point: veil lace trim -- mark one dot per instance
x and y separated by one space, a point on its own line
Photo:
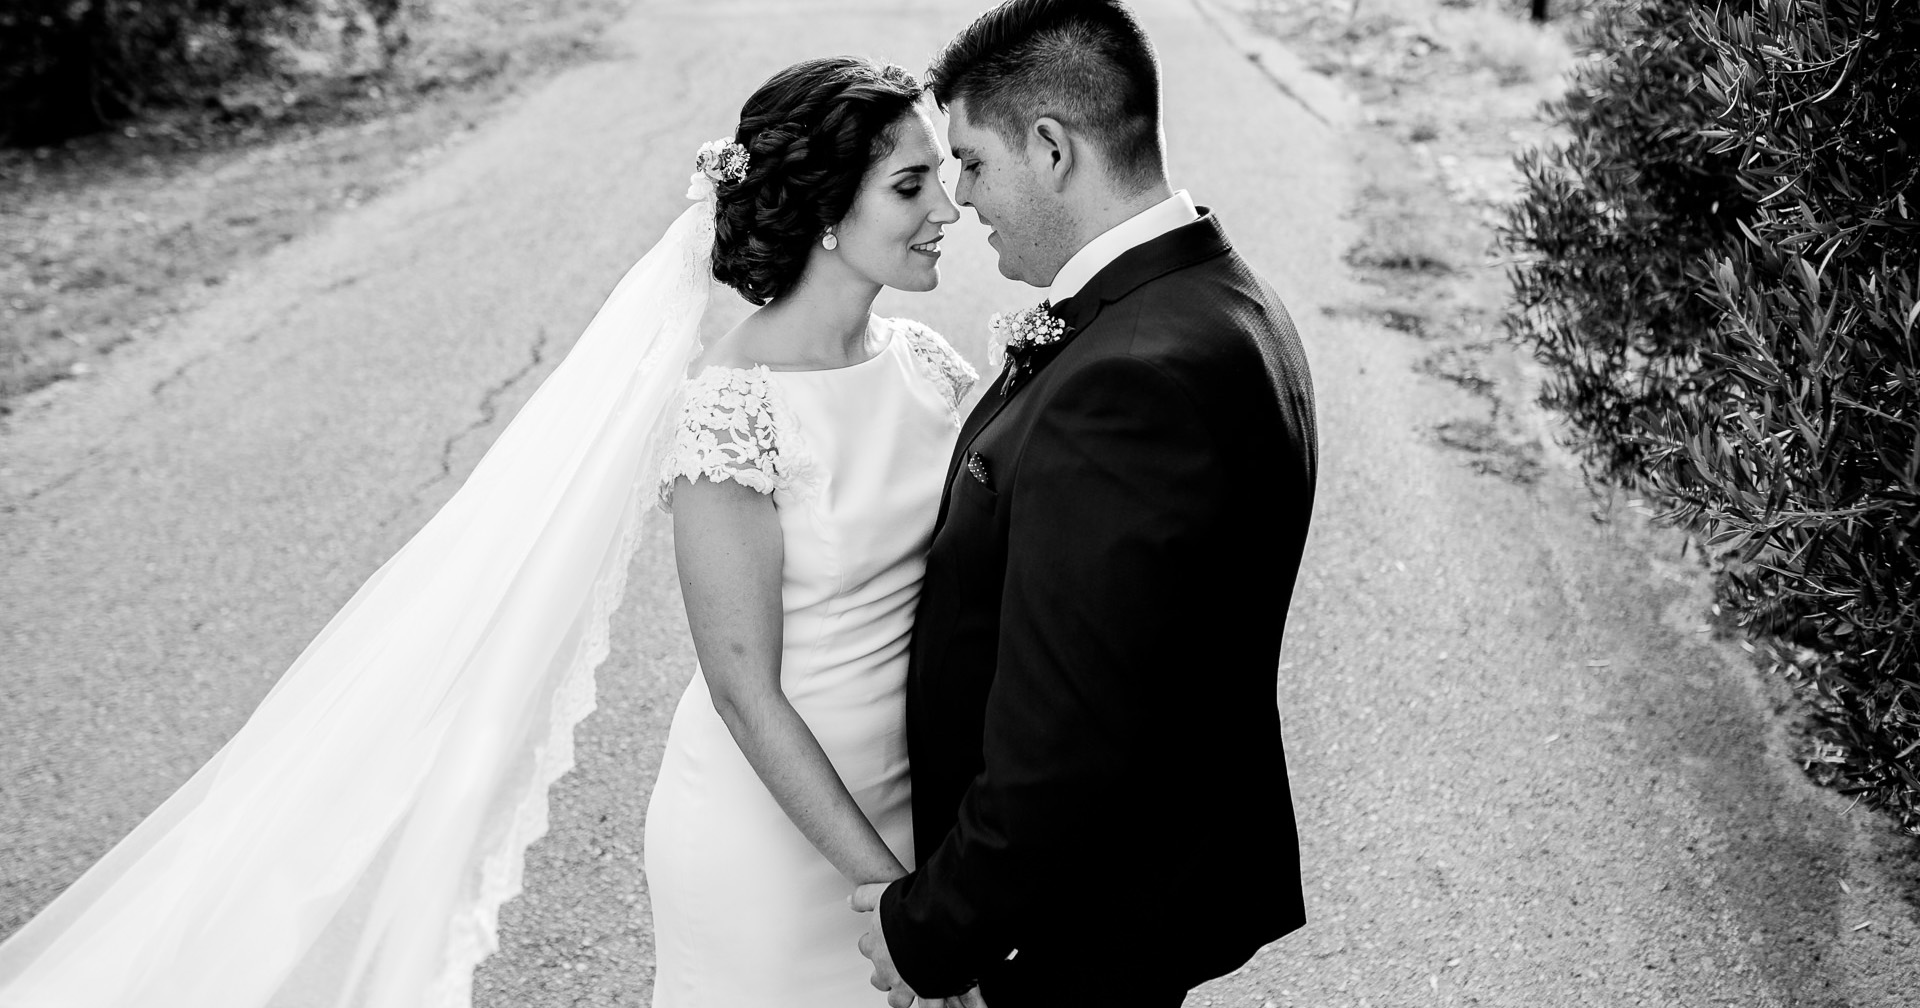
475 935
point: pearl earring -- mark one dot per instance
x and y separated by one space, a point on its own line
829 242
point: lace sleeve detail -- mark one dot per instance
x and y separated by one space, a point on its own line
733 426
939 363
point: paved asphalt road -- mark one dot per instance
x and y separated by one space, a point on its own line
1489 816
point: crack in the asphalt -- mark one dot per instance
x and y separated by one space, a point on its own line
1213 21
92 455
177 374
51 485
488 404
489 410
251 336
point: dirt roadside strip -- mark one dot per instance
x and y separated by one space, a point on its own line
104 239
1489 815
1644 836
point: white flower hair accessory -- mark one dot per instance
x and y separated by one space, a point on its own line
717 161
722 160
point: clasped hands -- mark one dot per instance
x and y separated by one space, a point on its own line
873 945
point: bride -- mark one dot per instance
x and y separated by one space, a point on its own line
352 844
806 471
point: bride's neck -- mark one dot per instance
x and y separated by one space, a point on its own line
816 324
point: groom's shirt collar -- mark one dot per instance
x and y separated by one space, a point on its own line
1174 211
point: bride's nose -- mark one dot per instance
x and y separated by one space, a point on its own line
944 212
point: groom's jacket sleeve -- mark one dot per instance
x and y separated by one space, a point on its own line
1115 497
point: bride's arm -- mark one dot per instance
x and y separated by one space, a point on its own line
729 549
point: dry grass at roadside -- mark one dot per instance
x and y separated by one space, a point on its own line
1449 90
104 238
1516 52
1384 45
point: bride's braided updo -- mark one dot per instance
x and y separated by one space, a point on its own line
810 131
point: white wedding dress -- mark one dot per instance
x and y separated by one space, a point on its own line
747 914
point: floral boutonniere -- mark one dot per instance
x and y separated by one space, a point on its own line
1018 337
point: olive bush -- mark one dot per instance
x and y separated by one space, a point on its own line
1720 268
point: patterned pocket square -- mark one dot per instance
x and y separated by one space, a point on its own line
977 468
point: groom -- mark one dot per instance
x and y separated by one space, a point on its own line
1101 812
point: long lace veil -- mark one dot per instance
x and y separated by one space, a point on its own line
352 844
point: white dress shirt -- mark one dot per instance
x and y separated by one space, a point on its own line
1156 220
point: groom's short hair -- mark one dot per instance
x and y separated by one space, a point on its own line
1087 63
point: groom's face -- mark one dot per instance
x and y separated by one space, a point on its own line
1009 194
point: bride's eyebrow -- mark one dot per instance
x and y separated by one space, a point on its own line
916 169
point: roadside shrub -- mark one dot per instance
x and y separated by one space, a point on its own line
69 67
1721 269
1619 228
1804 458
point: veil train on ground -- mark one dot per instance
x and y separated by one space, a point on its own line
351 845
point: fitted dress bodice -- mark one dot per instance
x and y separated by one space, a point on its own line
746 911
856 529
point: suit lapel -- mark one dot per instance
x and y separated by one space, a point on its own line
1184 246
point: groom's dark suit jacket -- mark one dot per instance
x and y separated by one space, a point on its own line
1098 781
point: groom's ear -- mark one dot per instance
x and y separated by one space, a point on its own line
1053 150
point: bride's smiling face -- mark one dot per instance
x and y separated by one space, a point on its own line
891 235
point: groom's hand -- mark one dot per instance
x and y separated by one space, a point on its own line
873 945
